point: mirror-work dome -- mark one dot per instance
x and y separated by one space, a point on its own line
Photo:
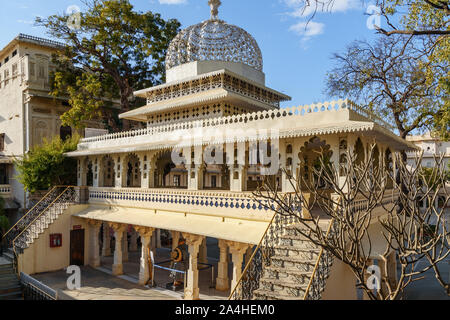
214 40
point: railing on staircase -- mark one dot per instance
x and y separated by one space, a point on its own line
47 214
253 272
23 222
321 272
36 290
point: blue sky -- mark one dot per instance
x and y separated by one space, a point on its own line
296 57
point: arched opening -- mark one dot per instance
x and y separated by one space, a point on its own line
109 172
65 132
133 171
359 152
217 174
169 175
90 174
261 173
312 154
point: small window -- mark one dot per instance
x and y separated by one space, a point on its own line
32 69
289 149
6 60
41 72
14 53
2 142
14 69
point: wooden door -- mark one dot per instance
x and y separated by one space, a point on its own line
77 247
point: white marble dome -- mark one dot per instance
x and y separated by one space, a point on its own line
214 40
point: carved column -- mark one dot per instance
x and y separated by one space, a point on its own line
196 170
238 171
106 248
145 170
117 268
222 281
144 266
120 171
99 174
192 291
95 243
82 172
237 250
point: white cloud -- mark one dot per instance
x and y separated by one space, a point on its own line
308 29
172 1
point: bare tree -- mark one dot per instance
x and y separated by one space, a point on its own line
372 190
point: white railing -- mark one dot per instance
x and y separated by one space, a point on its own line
210 202
5 190
245 118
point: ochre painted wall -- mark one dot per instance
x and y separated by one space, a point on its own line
39 257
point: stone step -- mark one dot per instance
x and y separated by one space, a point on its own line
14 295
7 276
296 241
9 286
8 256
282 287
291 251
288 274
293 262
261 294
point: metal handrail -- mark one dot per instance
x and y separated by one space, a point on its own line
253 254
316 267
43 211
29 211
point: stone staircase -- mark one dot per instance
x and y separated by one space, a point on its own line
10 287
45 218
291 268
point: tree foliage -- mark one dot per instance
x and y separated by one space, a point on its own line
391 77
45 165
116 51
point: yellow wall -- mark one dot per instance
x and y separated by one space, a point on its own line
39 257
341 285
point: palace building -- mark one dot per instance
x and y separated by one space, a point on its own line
214 132
28 113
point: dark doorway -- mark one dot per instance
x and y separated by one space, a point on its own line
65 133
77 247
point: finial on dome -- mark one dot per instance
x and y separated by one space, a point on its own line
214 4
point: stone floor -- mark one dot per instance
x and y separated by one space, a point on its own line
100 284
97 285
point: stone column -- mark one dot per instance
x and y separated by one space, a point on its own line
144 164
120 171
248 255
95 243
192 291
82 172
97 168
133 240
237 250
106 248
117 268
222 281
144 266
125 245
175 239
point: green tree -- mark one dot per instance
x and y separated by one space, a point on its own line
116 51
391 78
424 20
46 165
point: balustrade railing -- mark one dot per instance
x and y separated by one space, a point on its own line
36 290
20 225
254 270
44 213
245 118
5 190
